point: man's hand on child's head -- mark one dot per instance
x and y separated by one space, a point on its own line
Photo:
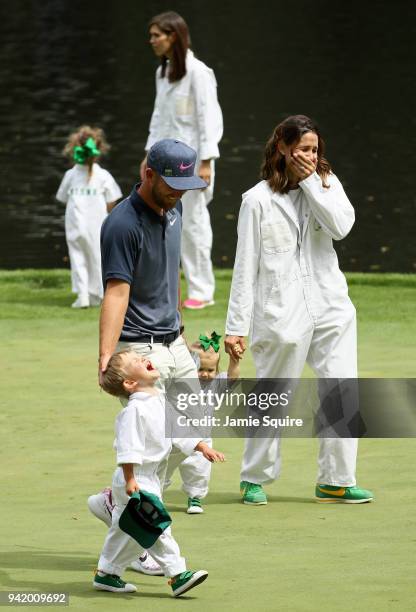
102 366
210 453
131 486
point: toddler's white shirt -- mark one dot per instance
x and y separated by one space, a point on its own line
141 432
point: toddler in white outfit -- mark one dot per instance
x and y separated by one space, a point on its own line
141 446
89 192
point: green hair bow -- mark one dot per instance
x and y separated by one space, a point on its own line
89 149
214 341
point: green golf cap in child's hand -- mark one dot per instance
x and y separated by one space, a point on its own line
144 518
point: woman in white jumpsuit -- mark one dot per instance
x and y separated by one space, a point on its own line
89 192
289 295
186 108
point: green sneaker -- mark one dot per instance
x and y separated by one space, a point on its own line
253 494
187 580
113 583
342 495
194 506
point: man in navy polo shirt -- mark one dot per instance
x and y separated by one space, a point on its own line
140 252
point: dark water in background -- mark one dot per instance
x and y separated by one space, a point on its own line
350 65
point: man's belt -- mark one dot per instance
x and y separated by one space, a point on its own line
165 339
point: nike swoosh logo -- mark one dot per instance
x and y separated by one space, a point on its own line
173 221
339 493
182 167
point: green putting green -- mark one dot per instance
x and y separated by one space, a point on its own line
293 554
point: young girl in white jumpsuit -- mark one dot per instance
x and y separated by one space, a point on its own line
205 353
186 108
141 446
290 296
89 192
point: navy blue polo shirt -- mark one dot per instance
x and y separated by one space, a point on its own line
142 248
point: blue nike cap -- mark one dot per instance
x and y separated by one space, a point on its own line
174 161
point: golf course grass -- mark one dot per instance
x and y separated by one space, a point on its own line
293 554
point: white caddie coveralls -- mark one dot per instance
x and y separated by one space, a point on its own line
290 296
188 110
141 440
86 198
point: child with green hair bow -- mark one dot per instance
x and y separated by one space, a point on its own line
90 193
206 353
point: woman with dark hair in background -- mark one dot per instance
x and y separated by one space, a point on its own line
290 296
186 108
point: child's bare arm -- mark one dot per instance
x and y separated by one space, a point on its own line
209 453
131 484
233 371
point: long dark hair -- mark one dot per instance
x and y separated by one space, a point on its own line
171 22
290 131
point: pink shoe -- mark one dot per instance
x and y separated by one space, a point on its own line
196 304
